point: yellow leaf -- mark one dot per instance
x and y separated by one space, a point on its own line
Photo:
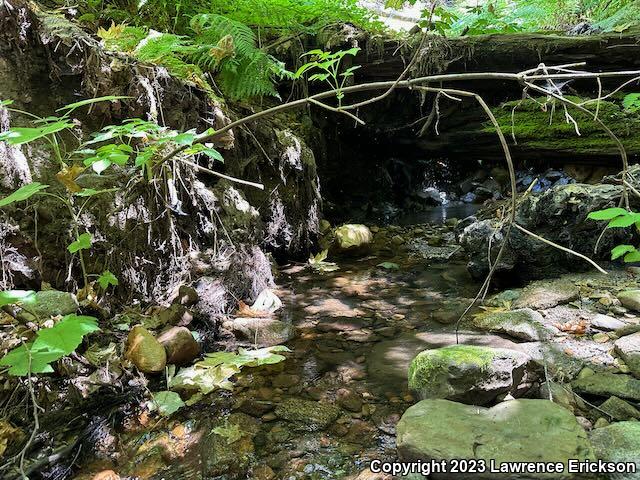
67 176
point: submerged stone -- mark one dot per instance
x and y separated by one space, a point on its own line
630 299
307 415
513 431
466 373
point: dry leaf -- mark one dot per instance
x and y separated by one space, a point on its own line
67 176
246 311
578 328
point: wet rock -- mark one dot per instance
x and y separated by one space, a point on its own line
50 303
106 475
263 472
187 296
264 332
547 294
527 430
256 408
180 346
607 385
607 323
174 315
229 449
619 442
630 299
285 380
349 399
618 409
525 324
351 237
307 415
144 351
562 395
628 348
466 373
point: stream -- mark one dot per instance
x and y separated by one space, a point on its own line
332 406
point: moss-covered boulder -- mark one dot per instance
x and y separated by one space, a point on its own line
619 442
517 430
525 324
466 373
352 237
608 384
307 415
50 303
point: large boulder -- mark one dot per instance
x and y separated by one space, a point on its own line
524 323
513 431
558 214
467 373
608 384
628 348
145 351
619 442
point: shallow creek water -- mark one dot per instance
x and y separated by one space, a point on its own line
332 406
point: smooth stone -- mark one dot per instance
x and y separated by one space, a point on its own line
187 296
349 400
628 349
605 322
352 237
144 351
542 295
517 430
630 299
264 332
180 346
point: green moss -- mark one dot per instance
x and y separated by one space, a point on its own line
430 366
534 128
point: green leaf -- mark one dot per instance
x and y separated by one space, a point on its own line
631 102
184 138
624 220
632 257
107 278
607 214
11 297
51 344
90 192
389 265
72 106
621 250
6 103
82 243
21 135
23 193
167 402
201 148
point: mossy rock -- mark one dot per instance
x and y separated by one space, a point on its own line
466 373
50 303
619 442
307 415
608 384
517 430
525 324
